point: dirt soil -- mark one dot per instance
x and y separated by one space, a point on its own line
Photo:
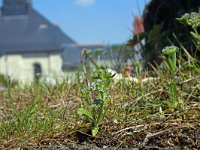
147 135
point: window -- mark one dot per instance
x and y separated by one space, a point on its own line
37 70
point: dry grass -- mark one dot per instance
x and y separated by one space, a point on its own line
136 117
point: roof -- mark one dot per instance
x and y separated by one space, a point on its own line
72 57
30 33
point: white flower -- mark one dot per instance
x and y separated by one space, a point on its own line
93 86
169 49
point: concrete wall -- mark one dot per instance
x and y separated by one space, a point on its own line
2 64
21 66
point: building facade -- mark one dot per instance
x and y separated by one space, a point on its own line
29 43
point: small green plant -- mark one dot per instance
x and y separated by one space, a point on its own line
138 68
93 110
169 57
169 60
193 20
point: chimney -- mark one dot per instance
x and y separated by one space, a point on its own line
15 7
138 25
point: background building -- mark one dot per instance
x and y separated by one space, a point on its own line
30 44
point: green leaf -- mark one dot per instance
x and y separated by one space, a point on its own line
95 130
154 32
168 103
183 20
96 102
196 36
197 70
98 52
84 112
171 104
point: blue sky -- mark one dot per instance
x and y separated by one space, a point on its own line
92 21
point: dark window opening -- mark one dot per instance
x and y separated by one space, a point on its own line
37 71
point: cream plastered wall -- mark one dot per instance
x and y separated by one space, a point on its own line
21 66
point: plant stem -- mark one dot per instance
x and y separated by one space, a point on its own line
174 61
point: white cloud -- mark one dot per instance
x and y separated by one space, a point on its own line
84 2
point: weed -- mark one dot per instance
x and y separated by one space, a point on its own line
94 111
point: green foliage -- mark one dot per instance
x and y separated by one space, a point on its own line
94 111
169 59
191 19
152 34
138 68
169 56
161 14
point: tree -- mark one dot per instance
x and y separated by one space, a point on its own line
160 16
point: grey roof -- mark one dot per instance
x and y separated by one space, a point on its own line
30 33
71 54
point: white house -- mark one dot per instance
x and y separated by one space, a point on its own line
29 43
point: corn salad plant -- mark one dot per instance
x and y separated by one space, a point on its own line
94 111
169 60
